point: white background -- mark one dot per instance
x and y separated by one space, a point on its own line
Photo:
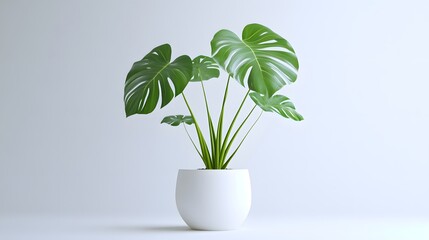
66 147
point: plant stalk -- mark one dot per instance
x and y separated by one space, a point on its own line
211 130
220 123
193 143
239 145
224 145
238 130
204 149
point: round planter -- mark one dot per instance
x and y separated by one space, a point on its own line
213 199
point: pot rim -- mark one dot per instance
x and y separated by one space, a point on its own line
214 170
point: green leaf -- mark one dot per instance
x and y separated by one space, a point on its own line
264 58
151 78
204 68
278 104
176 120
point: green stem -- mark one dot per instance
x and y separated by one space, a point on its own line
193 143
239 145
220 123
205 97
224 145
211 130
238 130
204 149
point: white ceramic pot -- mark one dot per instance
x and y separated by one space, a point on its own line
213 199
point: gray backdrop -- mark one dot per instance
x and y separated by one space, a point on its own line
67 148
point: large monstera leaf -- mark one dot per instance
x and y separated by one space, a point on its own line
150 80
278 104
264 58
176 120
204 68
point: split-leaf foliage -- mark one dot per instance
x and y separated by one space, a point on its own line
261 61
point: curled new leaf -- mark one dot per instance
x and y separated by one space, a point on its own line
151 79
278 104
204 68
261 59
176 120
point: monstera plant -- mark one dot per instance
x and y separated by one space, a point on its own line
261 61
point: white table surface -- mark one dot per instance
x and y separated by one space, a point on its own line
124 228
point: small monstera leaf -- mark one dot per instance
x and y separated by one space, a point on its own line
176 120
278 104
204 68
263 58
150 79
